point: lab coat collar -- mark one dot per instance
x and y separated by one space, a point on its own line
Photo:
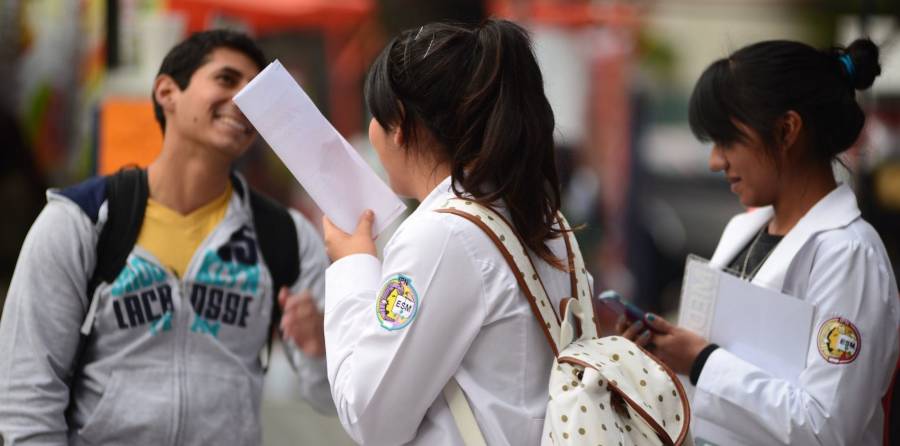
437 196
835 210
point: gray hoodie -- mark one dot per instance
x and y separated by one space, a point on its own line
170 361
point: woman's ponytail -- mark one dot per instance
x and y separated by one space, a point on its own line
479 92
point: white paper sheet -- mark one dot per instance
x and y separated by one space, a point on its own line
698 297
332 172
764 327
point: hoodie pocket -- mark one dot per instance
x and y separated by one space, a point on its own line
136 408
225 409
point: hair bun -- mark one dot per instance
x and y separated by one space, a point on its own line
864 55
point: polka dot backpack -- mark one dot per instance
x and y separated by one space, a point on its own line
602 391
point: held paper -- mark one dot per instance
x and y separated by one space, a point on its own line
698 297
764 327
332 172
761 326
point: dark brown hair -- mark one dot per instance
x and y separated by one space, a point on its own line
185 58
759 83
478 92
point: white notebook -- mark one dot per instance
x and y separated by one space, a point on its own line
764 327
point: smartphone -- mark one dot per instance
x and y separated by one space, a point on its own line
613 300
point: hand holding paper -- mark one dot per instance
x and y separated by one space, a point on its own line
331 171
339 244
764 327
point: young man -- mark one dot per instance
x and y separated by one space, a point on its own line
173 352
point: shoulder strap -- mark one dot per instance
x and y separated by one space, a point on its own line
463 415
126 197
277 238
514 251
126 200
581 289
126 194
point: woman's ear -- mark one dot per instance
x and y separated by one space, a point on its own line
791 126
397 136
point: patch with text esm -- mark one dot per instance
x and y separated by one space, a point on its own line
397 303
838 341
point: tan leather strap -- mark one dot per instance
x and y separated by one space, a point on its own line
501 232
536 294
571 264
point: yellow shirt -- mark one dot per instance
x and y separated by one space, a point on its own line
173 238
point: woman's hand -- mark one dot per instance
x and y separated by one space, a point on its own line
673 345
339 244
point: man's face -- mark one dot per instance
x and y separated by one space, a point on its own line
204 114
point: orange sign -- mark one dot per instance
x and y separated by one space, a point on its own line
129 134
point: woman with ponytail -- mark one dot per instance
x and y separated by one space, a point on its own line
458 112
778 114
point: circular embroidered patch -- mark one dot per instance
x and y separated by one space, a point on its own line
397 303
838 341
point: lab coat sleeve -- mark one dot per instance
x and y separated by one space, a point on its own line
383 381
831 402
312 373
39 331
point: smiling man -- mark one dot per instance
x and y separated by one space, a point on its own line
164 349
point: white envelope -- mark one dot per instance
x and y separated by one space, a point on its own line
332 172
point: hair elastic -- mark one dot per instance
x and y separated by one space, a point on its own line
429 47
848 64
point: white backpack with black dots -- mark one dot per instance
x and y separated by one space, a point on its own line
602 391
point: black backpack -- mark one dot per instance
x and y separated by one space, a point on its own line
126 195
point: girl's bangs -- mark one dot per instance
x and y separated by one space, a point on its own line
713 106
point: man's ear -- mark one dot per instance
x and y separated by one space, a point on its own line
790 127
164 91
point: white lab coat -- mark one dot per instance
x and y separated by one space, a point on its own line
472 323
834 260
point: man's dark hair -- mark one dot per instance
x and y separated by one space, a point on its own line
185 58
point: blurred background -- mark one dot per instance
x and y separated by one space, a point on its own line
75 102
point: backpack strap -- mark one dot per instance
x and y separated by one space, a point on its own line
581 289
524 270
126 197
277 238
276 235
463 415
501 232
126 200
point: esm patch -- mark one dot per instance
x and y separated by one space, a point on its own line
839 341
397 303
